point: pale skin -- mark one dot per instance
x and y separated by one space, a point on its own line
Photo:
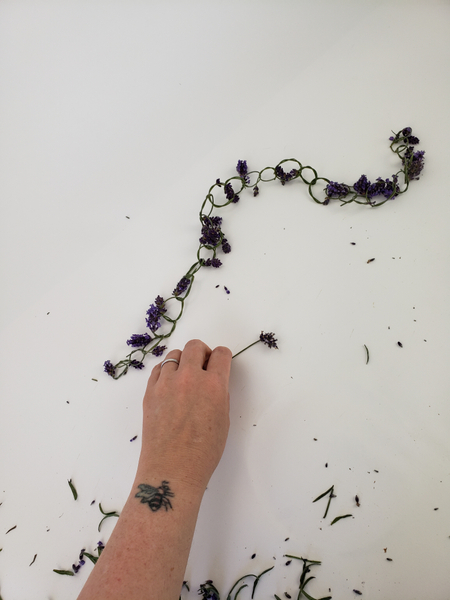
185 427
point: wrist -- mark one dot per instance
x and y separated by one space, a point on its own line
172 484
190 467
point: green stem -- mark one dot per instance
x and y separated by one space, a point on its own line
241 351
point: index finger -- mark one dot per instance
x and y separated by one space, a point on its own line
220 362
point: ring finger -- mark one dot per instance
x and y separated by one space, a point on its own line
171 362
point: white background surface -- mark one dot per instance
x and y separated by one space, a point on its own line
111 110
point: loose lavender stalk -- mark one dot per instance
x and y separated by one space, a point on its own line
266 338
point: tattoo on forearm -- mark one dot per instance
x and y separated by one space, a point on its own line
155 497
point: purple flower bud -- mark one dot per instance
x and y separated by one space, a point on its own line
109 368
230 194
182 286
268 339
212 262
283 176
159 350
242 169
336 190
413 162
412 139
139 340
362 185
137 364
211 232
154 314
226 248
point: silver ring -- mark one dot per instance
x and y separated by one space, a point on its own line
169 360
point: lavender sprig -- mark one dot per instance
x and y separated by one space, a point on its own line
266 338
162 322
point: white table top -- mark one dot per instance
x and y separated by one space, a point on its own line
115 119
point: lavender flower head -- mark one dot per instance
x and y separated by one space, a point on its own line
283 176
155 313
159 350
405 137
414 162
268 339
211 231
242 170
230 193
226 248
381 187
109 368
336 190
362 185
137 364
182 286
139 340
212 262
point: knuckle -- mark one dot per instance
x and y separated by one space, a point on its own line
194 343
223 350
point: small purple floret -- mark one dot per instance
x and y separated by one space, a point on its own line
414 162
283 176
242 170
159 350
109 368
362 185
226 248
138 340
137 364
182 286
336 190
229 193
212 262
155 313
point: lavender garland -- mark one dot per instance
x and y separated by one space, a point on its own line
213 240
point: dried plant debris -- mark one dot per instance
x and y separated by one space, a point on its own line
73 489
336 519
330 494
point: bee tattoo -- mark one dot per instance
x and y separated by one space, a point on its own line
155 497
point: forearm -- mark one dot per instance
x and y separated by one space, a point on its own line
147 553
185 426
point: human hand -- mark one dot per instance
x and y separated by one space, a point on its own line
186 416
